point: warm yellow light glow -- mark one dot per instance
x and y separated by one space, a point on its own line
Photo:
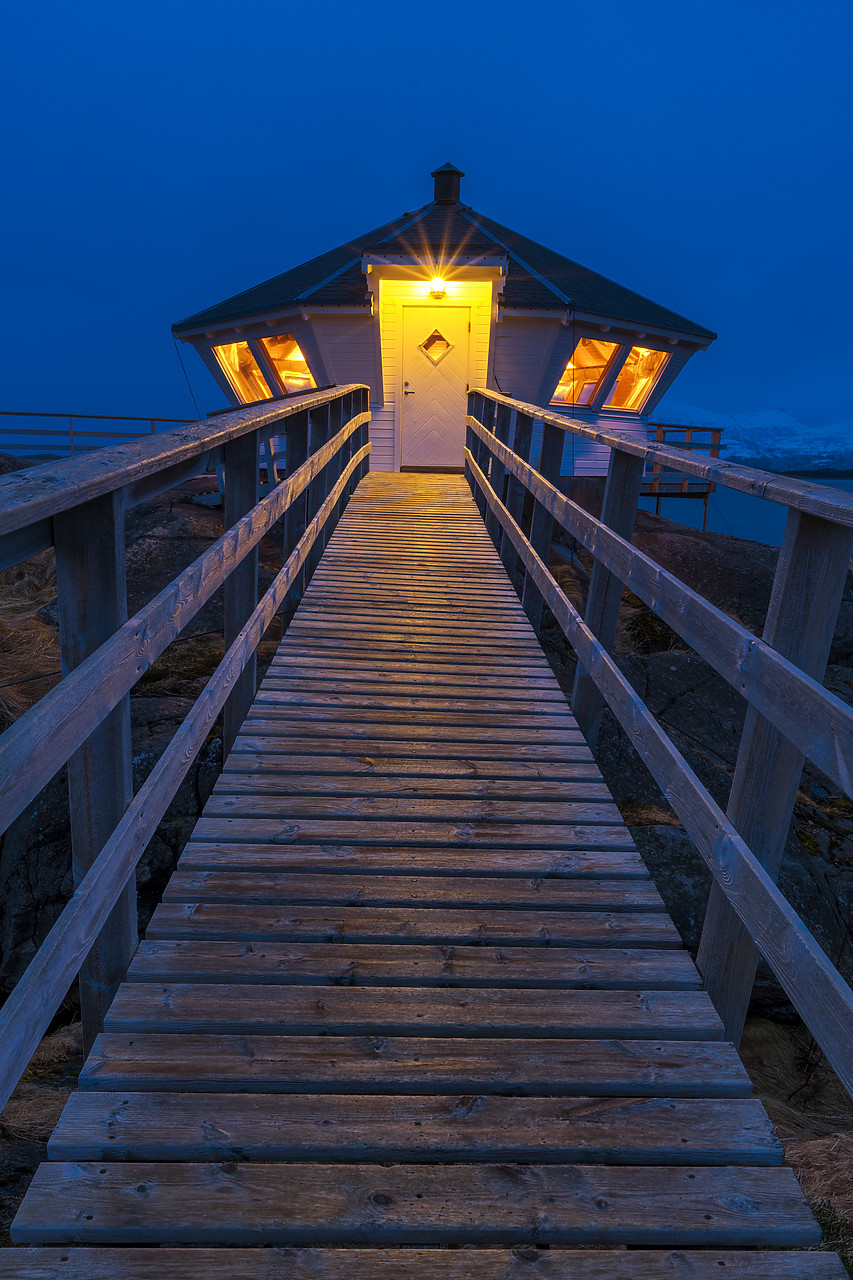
241 370
636 378
437 287
584 371
288 362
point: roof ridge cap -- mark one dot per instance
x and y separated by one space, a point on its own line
558 293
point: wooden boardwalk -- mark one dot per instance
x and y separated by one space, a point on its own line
411 986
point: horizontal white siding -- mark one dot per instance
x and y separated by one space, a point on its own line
348 346
585 457
522 349
382 438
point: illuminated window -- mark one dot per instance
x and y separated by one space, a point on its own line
288 362
436 347
242 371
584 371
638 375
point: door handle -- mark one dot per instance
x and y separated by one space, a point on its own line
408 393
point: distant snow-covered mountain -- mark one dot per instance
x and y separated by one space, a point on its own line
769 438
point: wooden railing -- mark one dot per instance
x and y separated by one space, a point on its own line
661 481
790 715
77 506
70 438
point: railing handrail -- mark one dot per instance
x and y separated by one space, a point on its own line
39 493
81 720
786 699
91 417
800 495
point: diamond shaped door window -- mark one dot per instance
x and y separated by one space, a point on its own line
436 347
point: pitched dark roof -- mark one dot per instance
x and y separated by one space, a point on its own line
537 278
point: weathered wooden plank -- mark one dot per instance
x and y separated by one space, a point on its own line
437 768
216 855
425 891
256 923
378 742
378 701
222 1009
270 1127
261 780
497 1204
522 835
414 808
126 1263
428 726
385 1064
361 964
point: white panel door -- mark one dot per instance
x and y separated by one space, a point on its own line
435 385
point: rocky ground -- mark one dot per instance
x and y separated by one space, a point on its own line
699 711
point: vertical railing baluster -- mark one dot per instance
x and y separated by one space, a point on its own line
319 433
807 590
521 444
542 522
92 605
240 592
296 452
618 512
502 423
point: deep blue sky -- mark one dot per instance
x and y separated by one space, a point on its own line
164 155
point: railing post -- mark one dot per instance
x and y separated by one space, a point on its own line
522 440
807 589
296 434
503 421
240 591
361 404
334 466
483 411
319 433
618 512
542 522
92 605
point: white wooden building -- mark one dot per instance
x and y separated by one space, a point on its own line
434 302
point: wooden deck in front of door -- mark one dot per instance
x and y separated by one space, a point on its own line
411 986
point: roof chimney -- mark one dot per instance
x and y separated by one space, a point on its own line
447 183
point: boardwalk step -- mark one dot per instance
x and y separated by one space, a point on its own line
256 922
433 891
231 1203
365 964
388 1064
525 1262
419 773
179 1126
417 808
424 859
399 1011
324 780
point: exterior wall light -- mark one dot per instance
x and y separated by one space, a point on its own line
437 287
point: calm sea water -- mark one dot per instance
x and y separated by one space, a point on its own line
738 513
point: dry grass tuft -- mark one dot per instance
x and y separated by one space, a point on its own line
636 813
35 1106
29 648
